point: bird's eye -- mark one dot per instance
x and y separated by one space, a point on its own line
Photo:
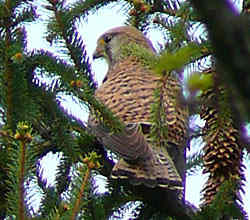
107 38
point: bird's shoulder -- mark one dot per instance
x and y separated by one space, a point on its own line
128 74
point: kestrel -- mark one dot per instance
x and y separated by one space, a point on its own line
127 90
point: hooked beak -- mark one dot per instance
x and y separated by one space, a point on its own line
99 51
97 54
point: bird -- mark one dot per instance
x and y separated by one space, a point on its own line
127 90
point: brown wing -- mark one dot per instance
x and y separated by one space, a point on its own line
128 92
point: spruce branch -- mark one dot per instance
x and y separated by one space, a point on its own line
24 137
46 64
82 8
77 203
159 130
7 66
27 15
194 163
14 63
74 45
21 181
92 162
18 170
63 174
230 38
224 204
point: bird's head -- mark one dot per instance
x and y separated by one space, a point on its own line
110 44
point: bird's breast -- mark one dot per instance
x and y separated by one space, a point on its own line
129 94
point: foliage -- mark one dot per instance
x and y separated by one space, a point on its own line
34 123
169 62
221 207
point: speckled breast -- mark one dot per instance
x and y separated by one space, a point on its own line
128 93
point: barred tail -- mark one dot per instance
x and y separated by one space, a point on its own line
155 171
